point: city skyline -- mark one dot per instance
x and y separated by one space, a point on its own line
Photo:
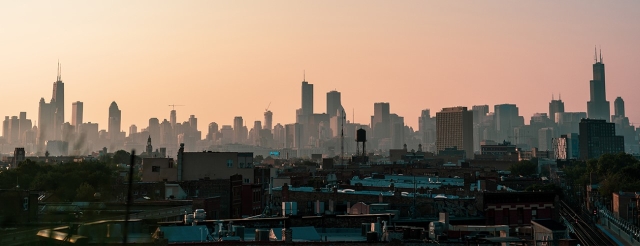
200 67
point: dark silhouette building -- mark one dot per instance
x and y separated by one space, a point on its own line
76 114
381 121
334 103
598 106
555 106
51 115
598 137
115 121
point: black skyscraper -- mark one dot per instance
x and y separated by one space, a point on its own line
598 106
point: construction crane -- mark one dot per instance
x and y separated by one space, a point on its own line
174 106
267 109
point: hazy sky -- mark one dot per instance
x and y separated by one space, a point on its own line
232 58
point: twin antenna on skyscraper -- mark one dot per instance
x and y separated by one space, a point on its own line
595 54
59 77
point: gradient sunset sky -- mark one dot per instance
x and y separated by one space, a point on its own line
232 58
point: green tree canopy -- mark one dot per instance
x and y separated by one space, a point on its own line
524 168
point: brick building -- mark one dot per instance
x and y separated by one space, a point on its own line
518 208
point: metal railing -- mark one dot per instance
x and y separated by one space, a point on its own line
29 236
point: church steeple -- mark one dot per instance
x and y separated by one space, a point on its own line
149 147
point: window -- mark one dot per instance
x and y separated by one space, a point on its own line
155 169
246 181
171 163
229 163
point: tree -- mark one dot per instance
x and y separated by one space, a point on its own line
121 157
85 193
524 168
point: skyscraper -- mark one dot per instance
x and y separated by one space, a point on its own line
454 128
618 107
380 122
114 121
506 118
598 137
172 118
268 120
598 106
58 101
133 129
555 106
334 103
212 133
51 115
76 114
307 99
238 129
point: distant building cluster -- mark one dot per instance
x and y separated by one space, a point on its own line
330 134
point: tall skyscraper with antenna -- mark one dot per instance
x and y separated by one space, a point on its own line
598 106
51 115
555 106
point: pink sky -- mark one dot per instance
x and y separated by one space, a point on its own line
232 58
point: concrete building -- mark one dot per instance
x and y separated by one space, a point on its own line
455 129
214 165
159 169
626 205
598 137
598 106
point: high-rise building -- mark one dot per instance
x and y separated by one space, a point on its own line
133 129
598 106
115 121
293 136
76 113
268 120
334 103
154 129
212 133
618 107
479 113
380 122
545 139
506 118
257 126
172 118
51 115
427 127
598 137
193 123
569 122
555 106
307 98
454 128
238 129
397 131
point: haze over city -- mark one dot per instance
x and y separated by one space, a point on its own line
335 122
227 59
